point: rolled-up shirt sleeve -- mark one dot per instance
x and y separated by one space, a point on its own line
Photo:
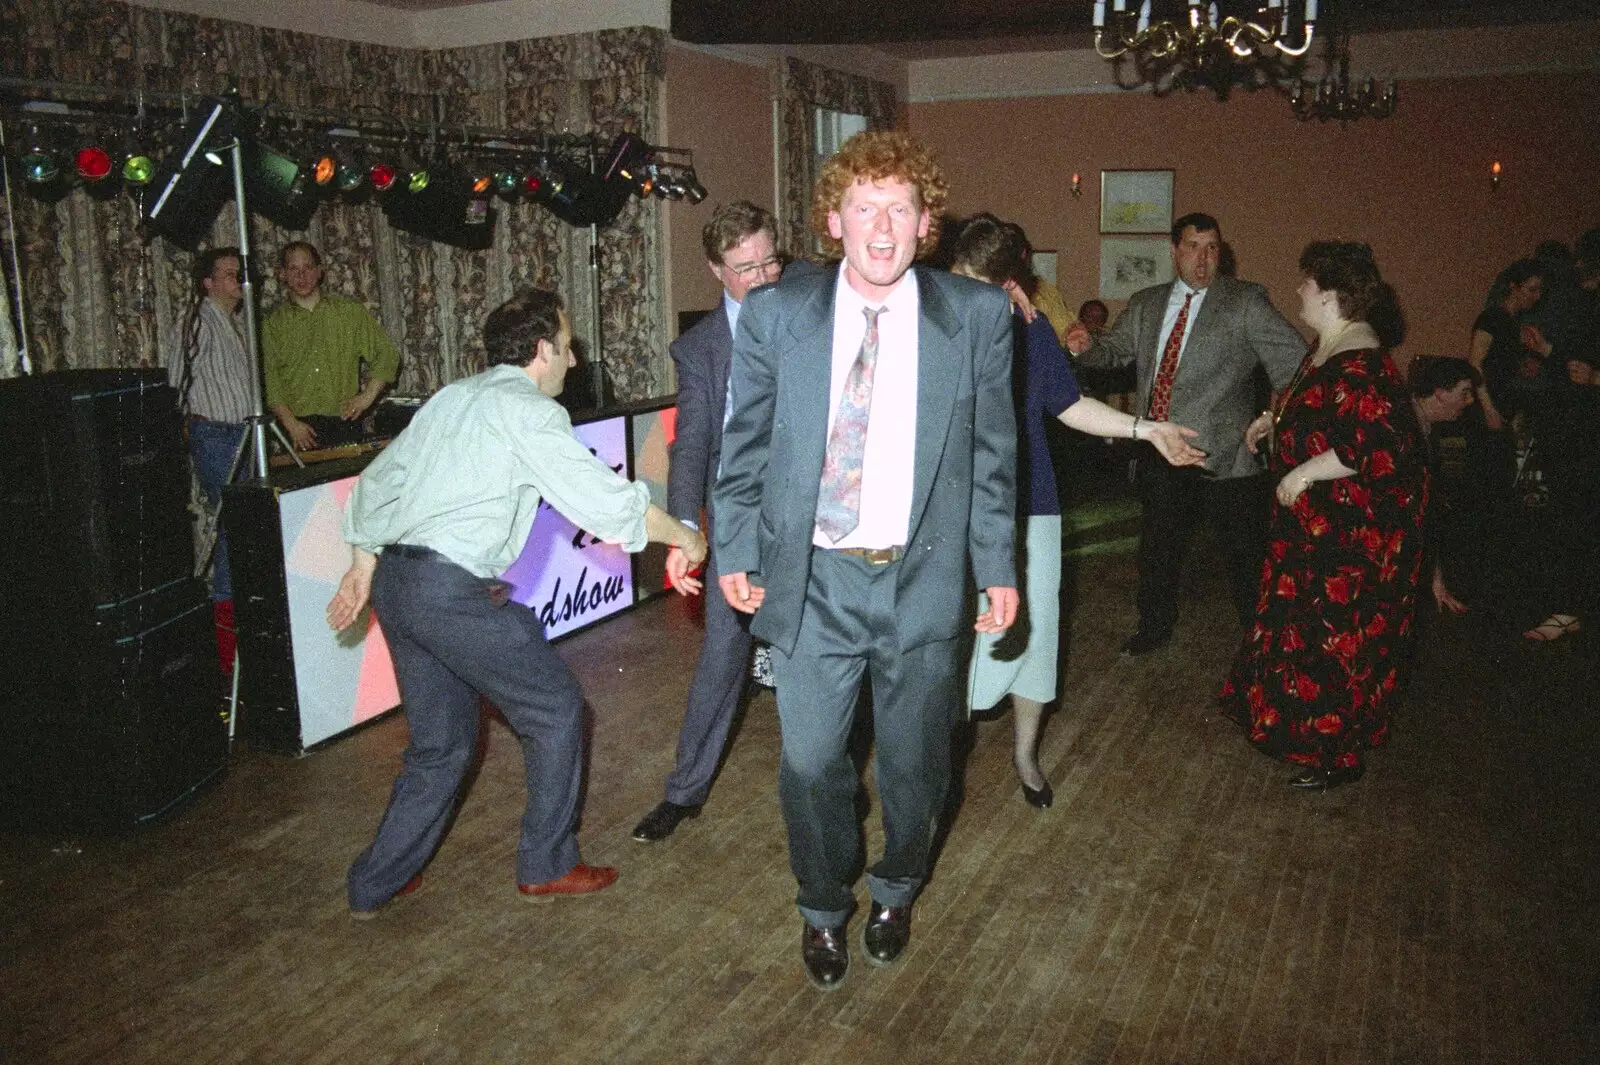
571 479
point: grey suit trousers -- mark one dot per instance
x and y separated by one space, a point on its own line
720 679
849 627
452 638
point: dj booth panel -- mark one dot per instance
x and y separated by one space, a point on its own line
301 684
109 711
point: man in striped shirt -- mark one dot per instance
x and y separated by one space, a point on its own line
209 366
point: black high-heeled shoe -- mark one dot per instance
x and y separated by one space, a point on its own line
1038 798
1327 779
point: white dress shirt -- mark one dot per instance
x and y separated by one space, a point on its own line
890 460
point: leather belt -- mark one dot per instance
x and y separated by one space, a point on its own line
875 556
411 551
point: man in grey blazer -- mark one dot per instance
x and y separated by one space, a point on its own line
869 463
1210 333
741 251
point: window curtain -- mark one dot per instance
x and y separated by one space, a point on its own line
100 293
802 89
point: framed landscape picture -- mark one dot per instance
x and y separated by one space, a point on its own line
1135 201
1044 265
1128 264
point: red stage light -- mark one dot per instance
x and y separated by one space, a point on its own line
382 176
93 163
532 184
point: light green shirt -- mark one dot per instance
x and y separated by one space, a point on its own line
466 476
313 358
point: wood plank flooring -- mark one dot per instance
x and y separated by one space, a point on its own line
1178 904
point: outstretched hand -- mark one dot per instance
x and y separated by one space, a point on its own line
1173 442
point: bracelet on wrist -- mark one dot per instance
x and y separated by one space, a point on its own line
1135 429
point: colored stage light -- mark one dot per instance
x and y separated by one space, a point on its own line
533 184
382 176
417 181
482 184
39 166
324 170
138 170
505 181
93 163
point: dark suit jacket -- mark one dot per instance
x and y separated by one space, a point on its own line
1236 330
963 504
701 355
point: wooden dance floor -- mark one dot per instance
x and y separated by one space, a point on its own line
1178 904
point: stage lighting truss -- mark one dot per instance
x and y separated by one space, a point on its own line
294 159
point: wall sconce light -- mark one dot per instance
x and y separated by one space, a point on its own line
1076 185
1494 175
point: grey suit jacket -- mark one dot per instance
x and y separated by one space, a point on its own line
701 355
1236 330
963 504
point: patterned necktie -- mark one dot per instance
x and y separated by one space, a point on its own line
1161 391
839 501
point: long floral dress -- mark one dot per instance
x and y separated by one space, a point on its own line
1315 682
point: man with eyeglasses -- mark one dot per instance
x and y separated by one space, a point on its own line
741 251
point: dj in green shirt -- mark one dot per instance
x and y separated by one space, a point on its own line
313 347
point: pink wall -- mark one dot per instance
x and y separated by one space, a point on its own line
1415 186
723 111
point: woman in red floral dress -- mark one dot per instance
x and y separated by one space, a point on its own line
1316 679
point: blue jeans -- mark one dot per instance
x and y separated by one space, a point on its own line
212 446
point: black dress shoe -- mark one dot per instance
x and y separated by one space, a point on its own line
1039 798
1142 643
663 821
1327 779
886 933
826 954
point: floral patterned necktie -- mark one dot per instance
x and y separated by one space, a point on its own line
1167 369
839 501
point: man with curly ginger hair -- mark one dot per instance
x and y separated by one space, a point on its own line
869 461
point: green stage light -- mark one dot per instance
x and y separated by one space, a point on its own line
39 166
418 180
349 178
505 182
138 170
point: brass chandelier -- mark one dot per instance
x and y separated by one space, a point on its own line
1175 45
1336 96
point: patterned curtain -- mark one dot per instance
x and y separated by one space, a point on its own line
802 89
100 293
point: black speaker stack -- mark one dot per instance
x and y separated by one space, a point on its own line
110 694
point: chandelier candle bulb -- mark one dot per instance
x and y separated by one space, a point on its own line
1099 14
1311 11
1144 16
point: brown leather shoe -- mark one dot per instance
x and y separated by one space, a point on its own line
580 880
410 887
